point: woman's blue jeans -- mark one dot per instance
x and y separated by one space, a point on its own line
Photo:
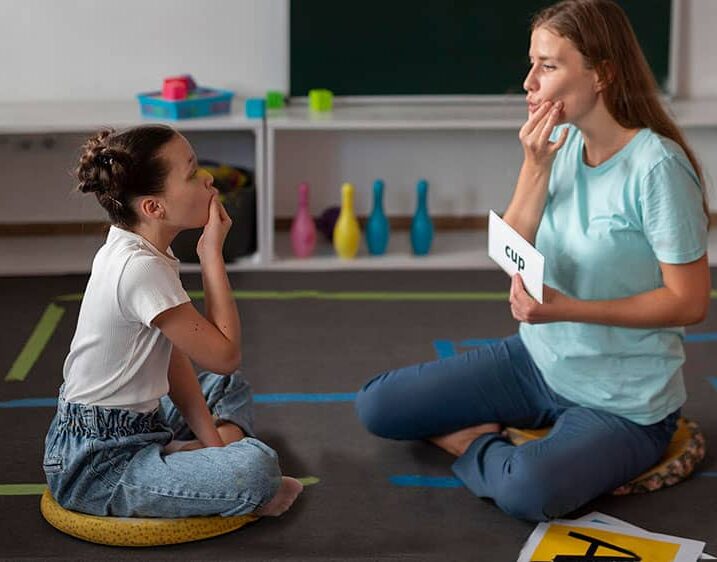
588 452
108 461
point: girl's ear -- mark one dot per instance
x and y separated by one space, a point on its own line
151 208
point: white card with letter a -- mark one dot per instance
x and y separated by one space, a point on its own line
515 254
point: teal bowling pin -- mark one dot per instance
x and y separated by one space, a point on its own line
377 227
421 226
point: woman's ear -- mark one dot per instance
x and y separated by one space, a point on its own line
604 76
151 208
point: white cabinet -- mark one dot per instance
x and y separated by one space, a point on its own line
449 145
469 153
229 138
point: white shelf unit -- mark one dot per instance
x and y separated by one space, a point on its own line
457 249
27 118
82 116
451 250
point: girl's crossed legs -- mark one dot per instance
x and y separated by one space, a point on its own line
229 399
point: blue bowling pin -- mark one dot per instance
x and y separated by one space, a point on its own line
377 227
421 226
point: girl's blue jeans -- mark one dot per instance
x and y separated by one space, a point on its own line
588 452
107 461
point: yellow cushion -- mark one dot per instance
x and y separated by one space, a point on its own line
686 449
136 531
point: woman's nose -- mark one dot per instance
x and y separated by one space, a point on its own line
529 84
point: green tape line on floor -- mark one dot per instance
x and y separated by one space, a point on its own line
364 295
344 295
38 489
36 344
22 489
357 296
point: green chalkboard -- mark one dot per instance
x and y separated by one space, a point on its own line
434 47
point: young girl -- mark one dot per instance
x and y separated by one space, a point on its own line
613 198
136 433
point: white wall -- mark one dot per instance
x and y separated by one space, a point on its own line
697 74
109 49
102 49
105 49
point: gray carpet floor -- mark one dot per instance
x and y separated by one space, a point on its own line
328 343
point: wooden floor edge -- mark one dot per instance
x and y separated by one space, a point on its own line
54 229
281 224
440 222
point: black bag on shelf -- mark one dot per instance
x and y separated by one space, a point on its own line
236 186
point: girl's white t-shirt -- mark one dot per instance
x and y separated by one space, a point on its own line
117 358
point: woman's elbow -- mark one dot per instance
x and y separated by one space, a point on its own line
701 316
696 314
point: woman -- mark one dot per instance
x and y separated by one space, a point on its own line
613 197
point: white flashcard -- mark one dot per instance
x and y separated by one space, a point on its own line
597 517
572 540
515 254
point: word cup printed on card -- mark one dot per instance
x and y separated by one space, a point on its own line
514 255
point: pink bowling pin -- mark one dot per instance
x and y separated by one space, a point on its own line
303 230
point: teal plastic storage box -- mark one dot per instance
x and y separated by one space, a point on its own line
203 102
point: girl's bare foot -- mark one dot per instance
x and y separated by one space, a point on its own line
230 432
457 443
289 490
179 445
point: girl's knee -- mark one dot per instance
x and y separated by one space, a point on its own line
255 466
254 453
230 398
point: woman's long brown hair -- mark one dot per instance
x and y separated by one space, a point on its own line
601 32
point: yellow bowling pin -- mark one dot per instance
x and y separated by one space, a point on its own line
347 234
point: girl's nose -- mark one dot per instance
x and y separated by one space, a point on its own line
208 178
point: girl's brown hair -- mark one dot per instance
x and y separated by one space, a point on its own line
601 32
120 166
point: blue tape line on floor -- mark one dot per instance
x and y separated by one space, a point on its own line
417 481
30 403
449 348
258 398
444 348
414 480
294 397
705 336
713 380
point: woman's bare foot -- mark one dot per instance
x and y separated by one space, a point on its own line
457 443
289 490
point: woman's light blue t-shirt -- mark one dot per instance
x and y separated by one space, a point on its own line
603 233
